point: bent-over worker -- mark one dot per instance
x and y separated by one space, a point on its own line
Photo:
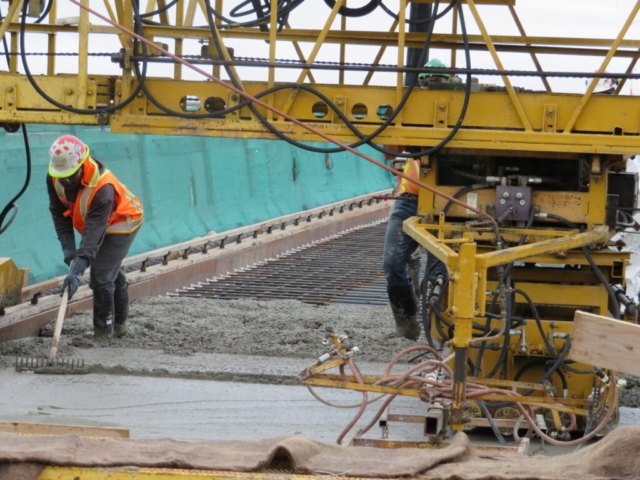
85 195
398 246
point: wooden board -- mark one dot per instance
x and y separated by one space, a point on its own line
49 429
605 342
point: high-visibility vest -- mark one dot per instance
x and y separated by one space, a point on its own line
128 214
411 169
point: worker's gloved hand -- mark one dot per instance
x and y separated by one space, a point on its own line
72 280
68 242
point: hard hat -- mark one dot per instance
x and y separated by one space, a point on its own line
435 63
66 156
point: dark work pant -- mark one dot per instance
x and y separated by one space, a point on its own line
398 246
106 271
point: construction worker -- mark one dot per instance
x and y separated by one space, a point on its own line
425 78
86 196
398 246
606 86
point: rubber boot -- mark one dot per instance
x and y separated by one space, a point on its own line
121 305
404 305
102 314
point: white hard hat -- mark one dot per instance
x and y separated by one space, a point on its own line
66 156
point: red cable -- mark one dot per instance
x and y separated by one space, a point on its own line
282 114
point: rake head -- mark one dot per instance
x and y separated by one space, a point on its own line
35 363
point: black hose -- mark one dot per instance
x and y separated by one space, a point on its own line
11 204
159 10
505 345
45 12
628 221
463 191
539 363
578 371
417 22
62 106
612 295
355 12
426 306
492 423
534 311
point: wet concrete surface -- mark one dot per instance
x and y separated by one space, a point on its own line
209 369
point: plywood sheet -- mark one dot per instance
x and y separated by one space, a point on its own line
605 342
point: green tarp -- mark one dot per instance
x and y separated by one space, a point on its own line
189 186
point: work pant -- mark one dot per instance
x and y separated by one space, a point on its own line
108 281
398 246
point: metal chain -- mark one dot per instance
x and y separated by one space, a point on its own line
387 67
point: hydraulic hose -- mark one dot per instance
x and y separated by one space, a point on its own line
355 12
492 423
534 311
464 191
11 204
612 295
62 106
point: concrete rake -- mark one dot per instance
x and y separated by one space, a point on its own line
50 363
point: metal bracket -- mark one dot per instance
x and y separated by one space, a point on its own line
441 117
549 118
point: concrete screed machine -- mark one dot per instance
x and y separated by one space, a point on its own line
521 190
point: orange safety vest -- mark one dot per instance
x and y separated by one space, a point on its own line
412 170
127 216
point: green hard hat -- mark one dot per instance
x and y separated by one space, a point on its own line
435 63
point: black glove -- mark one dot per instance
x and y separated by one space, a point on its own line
72 280
68 242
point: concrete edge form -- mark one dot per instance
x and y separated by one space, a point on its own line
26 319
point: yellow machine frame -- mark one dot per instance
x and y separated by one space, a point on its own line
546 125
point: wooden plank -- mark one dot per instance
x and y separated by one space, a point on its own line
605 342
50 429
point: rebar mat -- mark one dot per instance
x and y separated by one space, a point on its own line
346 268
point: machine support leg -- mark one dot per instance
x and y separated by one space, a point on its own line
458 409
465 284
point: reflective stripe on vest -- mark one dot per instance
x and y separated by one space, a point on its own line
412 170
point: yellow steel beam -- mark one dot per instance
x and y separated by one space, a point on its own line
534 58
494 54
14 7
300 53
438 249
361 387
514 254
125 473
314 52
605 63
51 40
83 57
397 136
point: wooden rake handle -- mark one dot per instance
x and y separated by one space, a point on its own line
59 321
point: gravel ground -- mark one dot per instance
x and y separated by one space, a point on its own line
185 326
286 328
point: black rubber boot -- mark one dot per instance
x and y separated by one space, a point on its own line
404 305
121 305
102 314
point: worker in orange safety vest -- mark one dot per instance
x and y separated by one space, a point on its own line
85 195
403 283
